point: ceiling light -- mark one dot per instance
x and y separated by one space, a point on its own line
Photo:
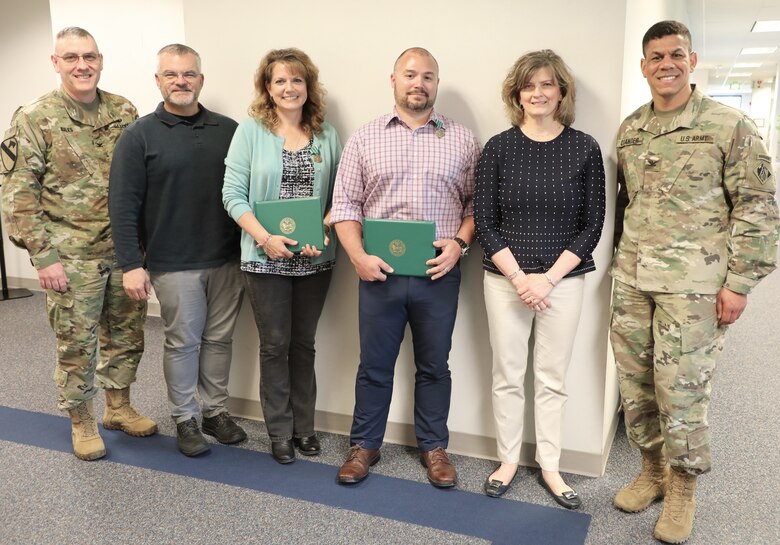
757 50
747 64
766 26
740 74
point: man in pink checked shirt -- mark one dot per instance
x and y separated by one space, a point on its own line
411 164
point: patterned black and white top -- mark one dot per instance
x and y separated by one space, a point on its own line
297 182
539 199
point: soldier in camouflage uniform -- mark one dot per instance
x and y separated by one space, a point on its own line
696 229
55 164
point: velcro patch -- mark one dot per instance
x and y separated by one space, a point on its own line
762 172
9 151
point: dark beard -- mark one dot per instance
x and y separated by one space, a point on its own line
417 106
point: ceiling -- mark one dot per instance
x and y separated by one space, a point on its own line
721 28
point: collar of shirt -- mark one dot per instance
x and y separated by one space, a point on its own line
433 119
648 122
76 113
205 118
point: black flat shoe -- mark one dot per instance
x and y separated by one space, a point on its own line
495 488
569 499
309 446
283 451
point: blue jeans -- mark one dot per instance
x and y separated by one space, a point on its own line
430 308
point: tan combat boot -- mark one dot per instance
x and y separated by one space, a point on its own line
120 415
648 486
676 520
87 444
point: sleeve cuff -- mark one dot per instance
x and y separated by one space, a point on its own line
739 284
45 258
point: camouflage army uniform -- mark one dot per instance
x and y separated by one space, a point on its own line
55 164
697 212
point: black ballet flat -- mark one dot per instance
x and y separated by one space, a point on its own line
495 488
569 499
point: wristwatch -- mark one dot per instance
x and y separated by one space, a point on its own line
464 248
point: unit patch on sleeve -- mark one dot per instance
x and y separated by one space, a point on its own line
8 154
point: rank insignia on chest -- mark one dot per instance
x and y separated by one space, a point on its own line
9 151
652 161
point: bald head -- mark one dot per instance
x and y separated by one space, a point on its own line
419 51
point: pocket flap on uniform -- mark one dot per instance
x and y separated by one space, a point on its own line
698 334
64 300
698 438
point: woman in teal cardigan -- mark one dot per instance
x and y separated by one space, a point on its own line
286 150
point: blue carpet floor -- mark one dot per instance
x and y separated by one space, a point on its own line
500 521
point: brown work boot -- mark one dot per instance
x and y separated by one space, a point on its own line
355 467
648 486
676 521
87 444
120 415
441 472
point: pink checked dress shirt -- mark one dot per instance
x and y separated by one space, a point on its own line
389 171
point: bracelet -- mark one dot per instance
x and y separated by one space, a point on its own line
512 276
262 245
550 280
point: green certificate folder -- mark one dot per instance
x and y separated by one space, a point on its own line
404 245
298 219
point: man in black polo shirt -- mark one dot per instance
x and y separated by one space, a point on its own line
171 232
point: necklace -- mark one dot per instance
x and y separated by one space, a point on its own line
288 136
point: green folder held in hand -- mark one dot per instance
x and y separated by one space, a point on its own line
404 245
298 219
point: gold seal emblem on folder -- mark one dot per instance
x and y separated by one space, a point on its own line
287 225
397 247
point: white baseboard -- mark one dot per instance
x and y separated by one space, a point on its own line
581 463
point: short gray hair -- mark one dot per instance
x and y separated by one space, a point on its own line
180 49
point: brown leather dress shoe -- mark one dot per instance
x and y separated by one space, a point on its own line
441 472
355 467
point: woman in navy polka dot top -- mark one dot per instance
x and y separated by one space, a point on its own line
539 210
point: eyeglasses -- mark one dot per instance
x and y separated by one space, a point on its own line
170 75
72 58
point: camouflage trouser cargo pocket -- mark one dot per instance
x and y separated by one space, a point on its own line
699 351
699 438
687 351
666 348
94 312
60 378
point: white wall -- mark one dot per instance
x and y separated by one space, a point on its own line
129 34
641 15
25 28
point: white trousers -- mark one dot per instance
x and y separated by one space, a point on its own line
511 323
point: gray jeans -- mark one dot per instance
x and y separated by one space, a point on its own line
199 309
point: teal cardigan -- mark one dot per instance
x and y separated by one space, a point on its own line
254 173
